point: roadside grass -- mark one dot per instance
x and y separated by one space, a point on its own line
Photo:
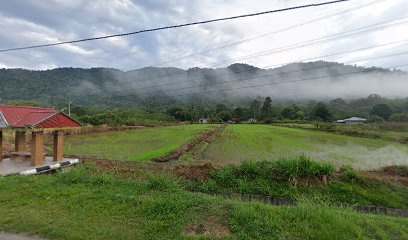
391 131
256 142
136 145
88 204
303 179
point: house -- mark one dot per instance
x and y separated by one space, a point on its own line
355 120
36 121
351 121
252 120
203 120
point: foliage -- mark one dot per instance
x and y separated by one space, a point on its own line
349 174
382 110
321 112
23 103
130 117
303 179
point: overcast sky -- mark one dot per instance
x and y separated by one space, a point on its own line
27 22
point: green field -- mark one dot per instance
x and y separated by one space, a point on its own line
84 204
263 142
139 145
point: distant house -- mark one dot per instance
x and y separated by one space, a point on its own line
352 121
203 120
252 120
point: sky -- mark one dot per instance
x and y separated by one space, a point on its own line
263 41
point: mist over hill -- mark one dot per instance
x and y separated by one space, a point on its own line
235 83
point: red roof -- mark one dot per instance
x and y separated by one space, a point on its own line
35 117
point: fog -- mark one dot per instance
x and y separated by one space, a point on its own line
297 81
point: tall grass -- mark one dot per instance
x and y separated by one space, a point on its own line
304 179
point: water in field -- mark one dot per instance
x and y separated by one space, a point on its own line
262 142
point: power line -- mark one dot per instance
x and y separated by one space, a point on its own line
372 27
278 74
173 26
262 35
229 44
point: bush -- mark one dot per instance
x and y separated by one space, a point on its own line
295 169
349 174
284 170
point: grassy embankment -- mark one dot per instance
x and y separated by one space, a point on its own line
87 204
305 180
391 131
259 142
138 145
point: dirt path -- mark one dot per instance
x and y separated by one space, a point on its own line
8 236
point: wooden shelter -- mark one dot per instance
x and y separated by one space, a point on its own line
35 120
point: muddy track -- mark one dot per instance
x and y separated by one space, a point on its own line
206 137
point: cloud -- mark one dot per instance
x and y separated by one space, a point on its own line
27 22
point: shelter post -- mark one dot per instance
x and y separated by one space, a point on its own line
19 141
37 148
58 148
1 144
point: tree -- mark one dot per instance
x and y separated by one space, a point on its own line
321 112
255 106
224 115
399 117
220 108
177 112
239 113
267 106
289 113
382 110
23 103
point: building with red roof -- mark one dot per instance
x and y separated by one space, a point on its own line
37 120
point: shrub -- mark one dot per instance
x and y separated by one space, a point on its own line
349 174
295 169
284 170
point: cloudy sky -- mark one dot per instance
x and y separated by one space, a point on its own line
263 41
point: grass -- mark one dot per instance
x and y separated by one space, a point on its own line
303 179
87 204
391 131
258 142
136 145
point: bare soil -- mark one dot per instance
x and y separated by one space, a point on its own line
205 137
389 174
210 227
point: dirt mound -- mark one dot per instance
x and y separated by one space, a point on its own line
205 137
210 227
194 172
401 171
390 173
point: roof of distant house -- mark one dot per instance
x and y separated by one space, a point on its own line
34 117
355 119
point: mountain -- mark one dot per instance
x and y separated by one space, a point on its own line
158 86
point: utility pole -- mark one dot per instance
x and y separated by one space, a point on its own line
69 108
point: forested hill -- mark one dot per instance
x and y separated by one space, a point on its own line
158 86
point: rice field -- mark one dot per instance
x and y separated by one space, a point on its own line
137 145
263 142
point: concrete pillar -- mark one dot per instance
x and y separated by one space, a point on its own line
1 145
20 142
37 149
58 148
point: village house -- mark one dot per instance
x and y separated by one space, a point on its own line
203 120
351 121
252 120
